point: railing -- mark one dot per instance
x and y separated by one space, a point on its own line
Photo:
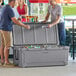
73 20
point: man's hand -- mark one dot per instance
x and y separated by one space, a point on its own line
27 27
50 25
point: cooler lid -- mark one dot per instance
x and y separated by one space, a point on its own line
37 35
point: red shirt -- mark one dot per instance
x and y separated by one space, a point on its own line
21 11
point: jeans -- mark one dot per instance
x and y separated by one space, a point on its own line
62 33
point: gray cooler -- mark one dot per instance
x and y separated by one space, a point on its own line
48 54
40 56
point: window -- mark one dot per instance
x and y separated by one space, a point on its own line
39 9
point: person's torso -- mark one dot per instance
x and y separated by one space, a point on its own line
21 11
54 12
5 20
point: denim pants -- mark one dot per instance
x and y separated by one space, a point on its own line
62 33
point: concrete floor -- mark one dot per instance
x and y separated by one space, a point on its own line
68 70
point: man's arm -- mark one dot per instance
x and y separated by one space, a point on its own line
20 23
47 16
59 14
55 22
